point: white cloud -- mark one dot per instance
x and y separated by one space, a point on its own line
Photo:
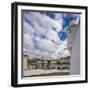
54 23
41 35
28 28
46 45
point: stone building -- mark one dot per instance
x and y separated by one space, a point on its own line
33 64
25 58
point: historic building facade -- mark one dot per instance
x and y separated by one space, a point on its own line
31 64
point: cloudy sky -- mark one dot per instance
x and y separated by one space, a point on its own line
45 34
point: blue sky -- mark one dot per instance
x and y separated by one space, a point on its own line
45 33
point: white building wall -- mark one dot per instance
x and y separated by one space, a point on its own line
74 47
75 57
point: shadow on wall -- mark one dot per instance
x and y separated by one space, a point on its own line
74 48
